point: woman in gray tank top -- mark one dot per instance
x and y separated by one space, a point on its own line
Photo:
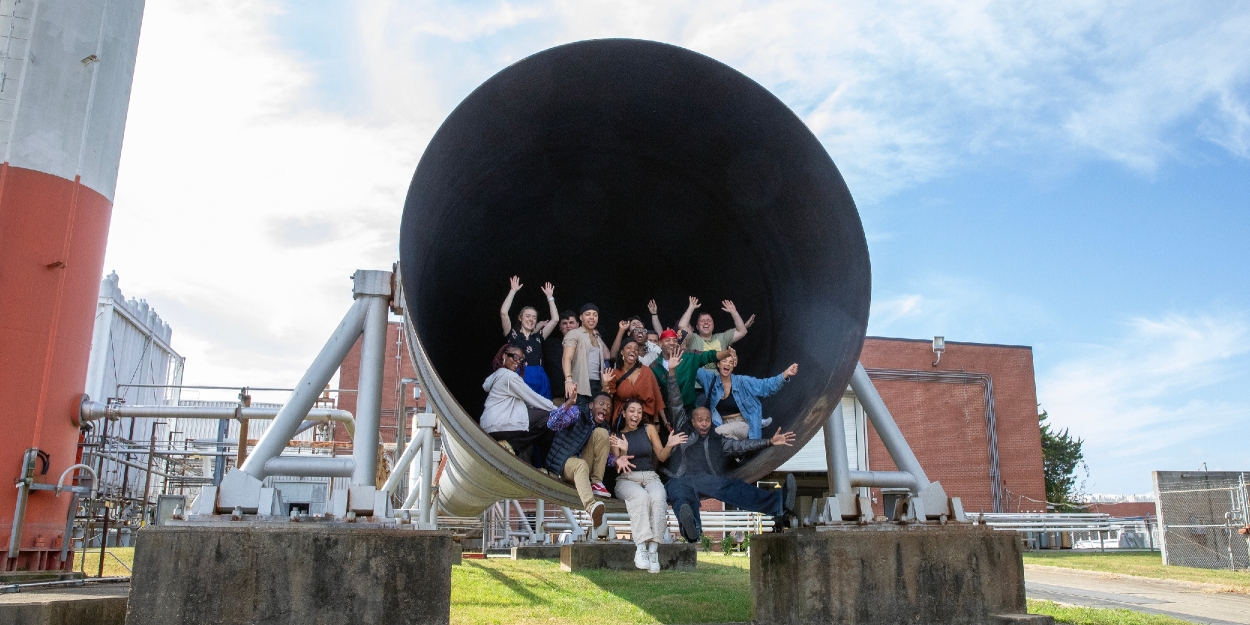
638 454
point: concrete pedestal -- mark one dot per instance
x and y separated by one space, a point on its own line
619 555
889 574
290 573
536 552
97 604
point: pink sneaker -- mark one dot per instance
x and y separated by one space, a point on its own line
600 490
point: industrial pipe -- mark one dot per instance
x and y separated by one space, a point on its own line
886 428
310 466
89 410
95 479
883 479
836 462
323 367
655 151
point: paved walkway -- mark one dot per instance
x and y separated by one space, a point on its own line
1200 603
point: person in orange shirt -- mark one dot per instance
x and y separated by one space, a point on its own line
633 380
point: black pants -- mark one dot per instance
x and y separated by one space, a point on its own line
687 489
530 445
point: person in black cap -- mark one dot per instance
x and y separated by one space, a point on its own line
584 353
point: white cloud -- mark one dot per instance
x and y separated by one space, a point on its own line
938 304
1152 400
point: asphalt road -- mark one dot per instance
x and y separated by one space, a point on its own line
1199 603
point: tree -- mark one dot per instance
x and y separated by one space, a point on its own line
1061 456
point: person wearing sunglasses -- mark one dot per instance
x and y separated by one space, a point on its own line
514 414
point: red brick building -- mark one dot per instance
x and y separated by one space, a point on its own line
943 411
946 412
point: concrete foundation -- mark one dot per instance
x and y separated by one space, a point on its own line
619 555
536 552
289 573
90 605
889 574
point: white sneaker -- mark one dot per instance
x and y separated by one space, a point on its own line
642 559
654 558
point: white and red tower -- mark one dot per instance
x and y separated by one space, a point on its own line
65 76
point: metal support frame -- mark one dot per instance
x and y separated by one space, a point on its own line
421 489
240 490
926 500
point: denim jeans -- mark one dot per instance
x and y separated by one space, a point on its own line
687 489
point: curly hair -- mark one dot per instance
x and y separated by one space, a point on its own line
497 363
619 421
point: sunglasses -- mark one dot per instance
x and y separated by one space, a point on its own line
513 356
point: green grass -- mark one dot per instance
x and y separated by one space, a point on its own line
111 566
536 591
1141 564
1075 615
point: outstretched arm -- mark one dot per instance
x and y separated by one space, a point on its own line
550 292
655 317
620 334
684 322
740 328
507 304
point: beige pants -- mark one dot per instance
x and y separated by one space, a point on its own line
647 504
734 427
581 472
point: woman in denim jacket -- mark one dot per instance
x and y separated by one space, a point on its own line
738 413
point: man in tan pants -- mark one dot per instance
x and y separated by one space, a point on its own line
585 439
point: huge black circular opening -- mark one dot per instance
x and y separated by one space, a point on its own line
625 170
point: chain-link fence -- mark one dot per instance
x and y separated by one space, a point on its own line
1203 517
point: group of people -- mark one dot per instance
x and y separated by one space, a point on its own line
661 406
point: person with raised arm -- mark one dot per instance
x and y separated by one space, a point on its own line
734 400
696 468
639 453
528 336
687 365
514 414
579 455
702 338
633 380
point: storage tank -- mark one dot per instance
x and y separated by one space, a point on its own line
65 77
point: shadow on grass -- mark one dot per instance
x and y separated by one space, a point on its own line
507 580
712 593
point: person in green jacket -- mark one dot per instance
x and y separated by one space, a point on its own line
685 372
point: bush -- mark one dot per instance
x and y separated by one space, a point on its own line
706 541
727 544
746 541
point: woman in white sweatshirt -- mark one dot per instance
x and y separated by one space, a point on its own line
514 414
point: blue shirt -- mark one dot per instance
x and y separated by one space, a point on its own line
746 391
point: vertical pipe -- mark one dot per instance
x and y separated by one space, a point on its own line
369 395
886 428
292 413
241 456
540 516
104 541
147 479
427 475
19 510
835 454
219 463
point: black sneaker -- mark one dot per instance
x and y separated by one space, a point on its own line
689 528
788 493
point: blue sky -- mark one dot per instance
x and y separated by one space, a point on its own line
1071 176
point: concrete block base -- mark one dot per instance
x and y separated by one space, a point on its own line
536 552
290 573
619 556
90 605
888 574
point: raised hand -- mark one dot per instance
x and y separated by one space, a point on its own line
677 438
516 283
548 290
749 321
728 306
652 308
674 357
618 442
791 371
572 399
607 375
694 302
570 389
623 325
782 439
